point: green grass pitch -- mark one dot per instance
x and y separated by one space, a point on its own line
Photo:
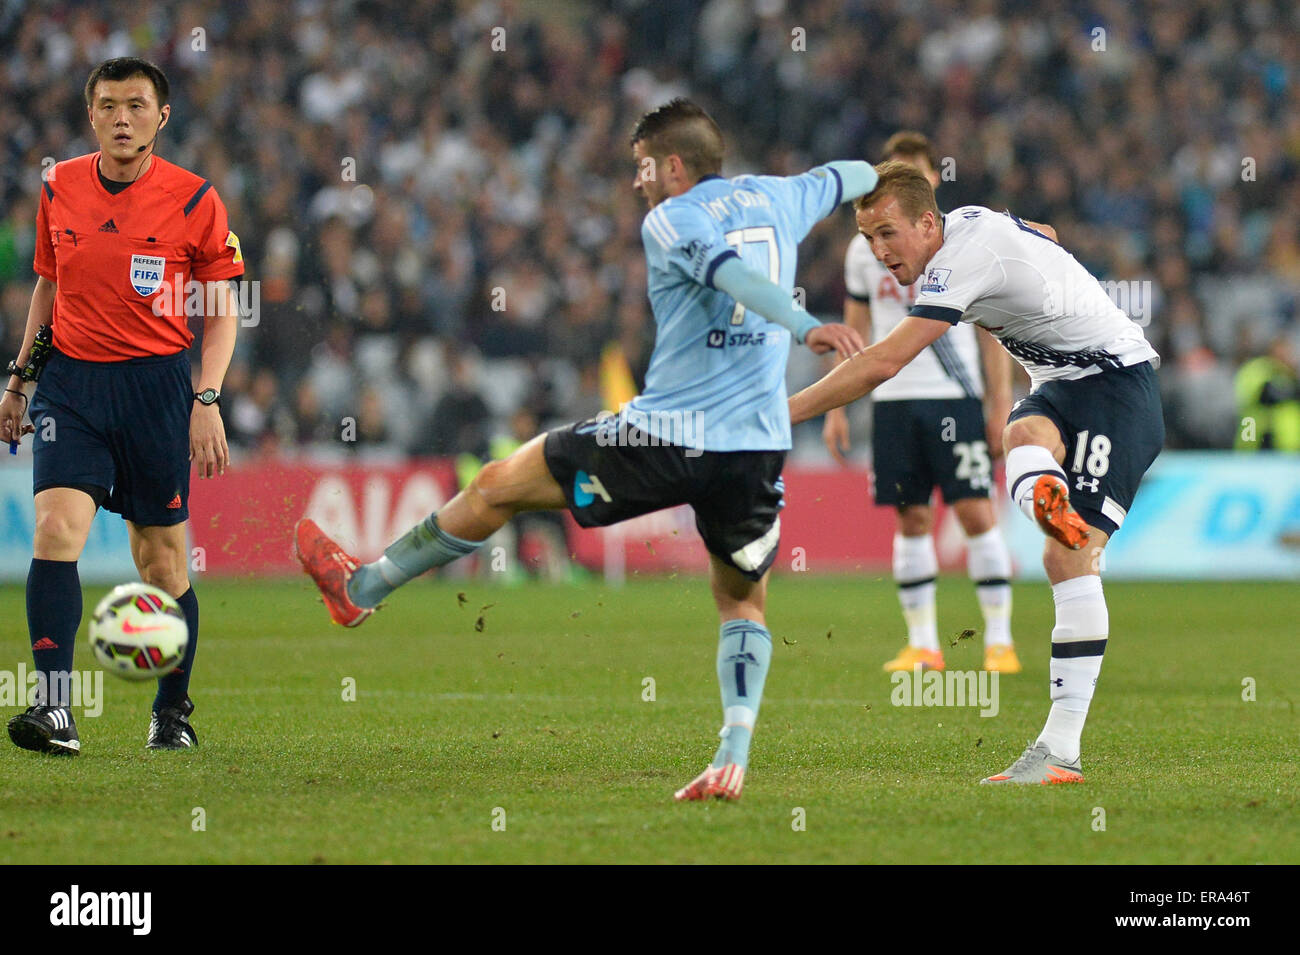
538 722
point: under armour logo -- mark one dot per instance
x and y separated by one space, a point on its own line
1059 681
1082 482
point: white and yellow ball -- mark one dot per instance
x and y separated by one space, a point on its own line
138 632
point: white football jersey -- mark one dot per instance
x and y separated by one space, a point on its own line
1034 296
950 368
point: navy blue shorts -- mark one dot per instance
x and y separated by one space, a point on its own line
119 431
610 476
1113 428
919 444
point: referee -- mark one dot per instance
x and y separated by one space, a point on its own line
120 236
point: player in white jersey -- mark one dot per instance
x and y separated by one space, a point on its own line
1094 408
929 429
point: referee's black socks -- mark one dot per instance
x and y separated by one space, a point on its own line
53 616
175 686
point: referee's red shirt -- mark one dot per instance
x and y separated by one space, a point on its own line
123 263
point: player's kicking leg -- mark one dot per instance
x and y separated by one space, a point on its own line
744 655
502 489
1036 481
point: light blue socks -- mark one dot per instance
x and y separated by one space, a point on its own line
744 654
423 547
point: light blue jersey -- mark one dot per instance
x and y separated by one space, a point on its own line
716 363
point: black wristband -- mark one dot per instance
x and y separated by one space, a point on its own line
20 394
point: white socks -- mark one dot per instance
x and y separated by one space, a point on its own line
1024 466
989 564
1078 643
915 567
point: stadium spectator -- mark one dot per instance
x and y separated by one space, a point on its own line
386 144
1268 392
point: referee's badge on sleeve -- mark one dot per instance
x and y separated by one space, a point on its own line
232 240
147 273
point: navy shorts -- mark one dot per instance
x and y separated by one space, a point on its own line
119 431
1113 428
920 444
610 475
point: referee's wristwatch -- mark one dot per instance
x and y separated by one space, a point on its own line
208 396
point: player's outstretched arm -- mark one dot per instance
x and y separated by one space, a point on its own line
835 431
867 369
759 294
857 177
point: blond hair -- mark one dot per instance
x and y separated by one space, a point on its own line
905 183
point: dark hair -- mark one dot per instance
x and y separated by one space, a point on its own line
124 68
908 142
681 128
905 183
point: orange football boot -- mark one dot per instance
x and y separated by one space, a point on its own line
1055 516
331 567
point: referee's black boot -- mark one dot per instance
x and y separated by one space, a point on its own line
170 728
46 729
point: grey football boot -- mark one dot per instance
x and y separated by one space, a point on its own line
1037 765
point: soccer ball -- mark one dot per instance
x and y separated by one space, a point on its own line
138 632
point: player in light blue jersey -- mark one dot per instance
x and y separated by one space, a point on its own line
711 429
693 241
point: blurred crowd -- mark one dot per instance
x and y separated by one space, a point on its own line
435 195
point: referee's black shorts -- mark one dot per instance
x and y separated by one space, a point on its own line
119 431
